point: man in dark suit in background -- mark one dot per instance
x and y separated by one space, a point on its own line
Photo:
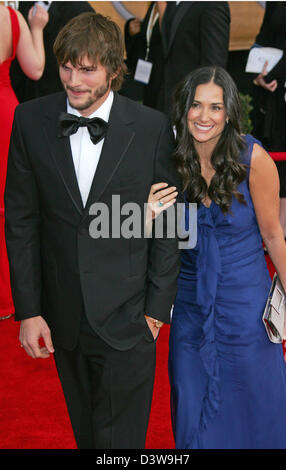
98 302
59 14
143 41
194 34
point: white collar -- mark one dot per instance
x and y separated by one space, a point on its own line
102 112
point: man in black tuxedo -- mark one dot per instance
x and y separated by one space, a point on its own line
194 34
97 301
59 14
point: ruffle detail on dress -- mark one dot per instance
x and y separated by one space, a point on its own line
208 270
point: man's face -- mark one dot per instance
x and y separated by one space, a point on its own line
87 85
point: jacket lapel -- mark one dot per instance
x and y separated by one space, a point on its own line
119 137
60 151
116 143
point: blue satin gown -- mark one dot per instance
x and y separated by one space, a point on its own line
228 381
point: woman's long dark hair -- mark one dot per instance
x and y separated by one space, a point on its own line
229 171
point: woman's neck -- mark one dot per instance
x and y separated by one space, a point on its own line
204 151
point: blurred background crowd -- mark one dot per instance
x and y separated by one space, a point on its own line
164 42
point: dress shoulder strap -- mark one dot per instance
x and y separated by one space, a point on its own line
15 29
247 152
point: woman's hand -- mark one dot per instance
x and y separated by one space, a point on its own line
38 18
160 198
261 82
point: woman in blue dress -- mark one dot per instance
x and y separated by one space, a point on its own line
228 381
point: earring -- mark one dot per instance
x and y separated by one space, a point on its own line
227 120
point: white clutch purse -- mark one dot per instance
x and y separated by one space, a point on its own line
275 311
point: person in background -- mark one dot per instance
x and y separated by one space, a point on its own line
193 34
59 13
97 299
143 41
16 40
269 94
228 381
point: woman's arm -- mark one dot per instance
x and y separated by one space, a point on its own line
30 49
264 190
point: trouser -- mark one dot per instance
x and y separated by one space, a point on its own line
108 392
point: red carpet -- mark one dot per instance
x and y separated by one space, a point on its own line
33 414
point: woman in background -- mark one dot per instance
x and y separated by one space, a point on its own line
269 94
16 40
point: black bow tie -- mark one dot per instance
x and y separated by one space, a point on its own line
68 124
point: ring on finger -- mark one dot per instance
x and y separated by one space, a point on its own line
160 203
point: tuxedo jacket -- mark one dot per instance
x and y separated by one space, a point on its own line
58 270
196 35
59 14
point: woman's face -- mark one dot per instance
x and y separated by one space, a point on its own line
207 114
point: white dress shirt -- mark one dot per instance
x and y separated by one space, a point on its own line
86 154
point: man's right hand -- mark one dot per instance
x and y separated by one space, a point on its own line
31 330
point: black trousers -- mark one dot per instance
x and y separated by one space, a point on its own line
108 392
